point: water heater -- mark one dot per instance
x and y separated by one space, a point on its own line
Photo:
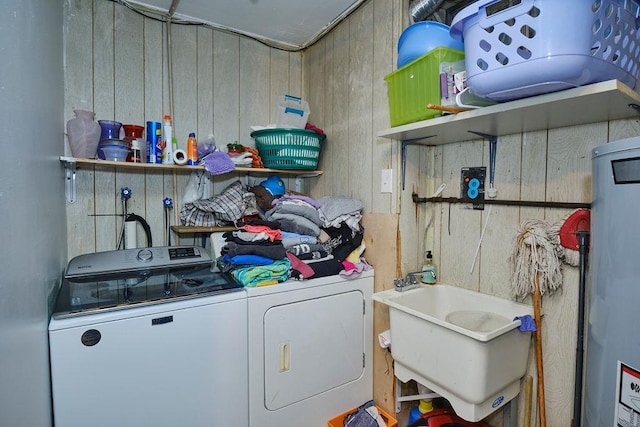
612 382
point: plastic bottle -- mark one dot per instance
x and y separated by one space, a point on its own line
174 142
424 407
136 153
431 273
192 149
167 141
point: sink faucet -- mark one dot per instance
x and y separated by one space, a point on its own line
410 281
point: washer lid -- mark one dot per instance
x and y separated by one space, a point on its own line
122 290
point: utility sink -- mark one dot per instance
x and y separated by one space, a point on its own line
463 345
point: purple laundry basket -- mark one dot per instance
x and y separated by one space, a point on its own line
537 46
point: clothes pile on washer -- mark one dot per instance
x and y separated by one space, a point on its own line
297 237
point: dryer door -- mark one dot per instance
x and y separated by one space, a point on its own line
312 346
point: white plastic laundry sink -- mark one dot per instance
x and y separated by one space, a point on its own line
462 344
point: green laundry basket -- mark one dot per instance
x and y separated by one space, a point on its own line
288 148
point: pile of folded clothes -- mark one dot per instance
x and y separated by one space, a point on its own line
298 238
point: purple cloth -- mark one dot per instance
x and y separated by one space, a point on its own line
527 324
309 200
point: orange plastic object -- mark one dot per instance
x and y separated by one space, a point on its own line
339 420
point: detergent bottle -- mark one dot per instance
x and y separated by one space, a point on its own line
192 149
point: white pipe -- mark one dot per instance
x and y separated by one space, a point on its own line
172 9
130 235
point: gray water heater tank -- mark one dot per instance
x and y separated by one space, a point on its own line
612 381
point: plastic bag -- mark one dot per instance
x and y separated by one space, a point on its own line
195 187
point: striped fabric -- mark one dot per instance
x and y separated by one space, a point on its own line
227 207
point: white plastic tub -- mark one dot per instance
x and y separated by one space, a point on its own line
462 344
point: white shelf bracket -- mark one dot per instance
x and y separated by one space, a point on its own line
70 181
298 181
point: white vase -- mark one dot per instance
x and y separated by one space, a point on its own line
84 134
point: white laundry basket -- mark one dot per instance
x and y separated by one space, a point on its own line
519 48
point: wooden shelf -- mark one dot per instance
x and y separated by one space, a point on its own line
152 166
185 229
597 102
71 163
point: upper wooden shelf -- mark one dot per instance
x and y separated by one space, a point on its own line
597 102
152 166
71 163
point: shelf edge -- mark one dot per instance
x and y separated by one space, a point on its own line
544 101
151 166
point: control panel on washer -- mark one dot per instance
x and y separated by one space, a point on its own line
135 259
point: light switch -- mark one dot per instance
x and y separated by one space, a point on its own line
386 181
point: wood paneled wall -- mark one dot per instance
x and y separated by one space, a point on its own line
116 65
551 165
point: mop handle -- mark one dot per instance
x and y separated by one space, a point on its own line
537 318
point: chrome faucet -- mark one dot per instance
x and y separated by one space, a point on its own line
410 281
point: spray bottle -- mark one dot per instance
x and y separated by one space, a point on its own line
167 141
192 149
430 271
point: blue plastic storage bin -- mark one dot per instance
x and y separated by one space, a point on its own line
520 48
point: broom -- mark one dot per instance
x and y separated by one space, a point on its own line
535 269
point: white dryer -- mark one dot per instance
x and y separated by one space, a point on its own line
310 350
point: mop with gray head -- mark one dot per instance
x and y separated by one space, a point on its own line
534 251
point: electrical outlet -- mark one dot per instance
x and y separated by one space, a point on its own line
472 186
386 181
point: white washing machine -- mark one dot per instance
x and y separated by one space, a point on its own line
310 350
149 337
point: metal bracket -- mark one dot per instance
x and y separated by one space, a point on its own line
491 192
70 180
509 411
528 203
409 398
405 144
298 181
